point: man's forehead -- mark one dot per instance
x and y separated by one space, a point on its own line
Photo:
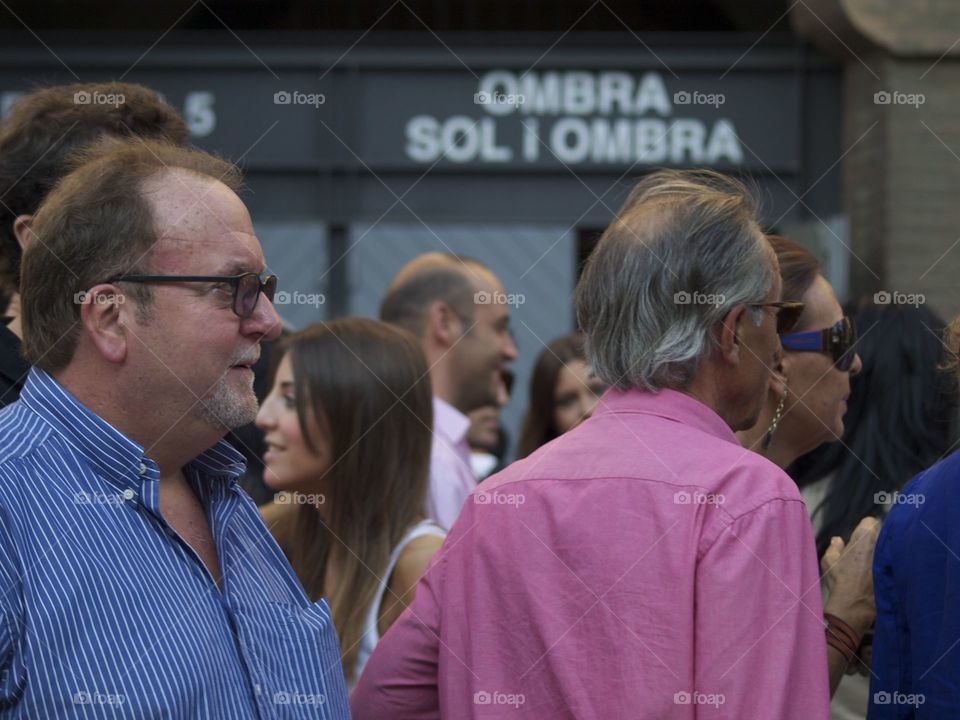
199 216
482 278
182 200
225 254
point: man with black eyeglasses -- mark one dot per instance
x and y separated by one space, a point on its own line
134 572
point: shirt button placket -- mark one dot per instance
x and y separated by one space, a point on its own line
130 494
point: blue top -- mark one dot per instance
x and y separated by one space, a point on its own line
107 613
916 577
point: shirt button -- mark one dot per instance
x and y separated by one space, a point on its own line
129 494
143 469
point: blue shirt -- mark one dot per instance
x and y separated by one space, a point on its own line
107 613
916 578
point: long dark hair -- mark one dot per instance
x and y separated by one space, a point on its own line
367 386
900 418
538 425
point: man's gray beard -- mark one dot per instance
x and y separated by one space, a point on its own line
225 408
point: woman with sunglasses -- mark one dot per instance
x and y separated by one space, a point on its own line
900 422
806 402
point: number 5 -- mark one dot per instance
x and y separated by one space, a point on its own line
198 113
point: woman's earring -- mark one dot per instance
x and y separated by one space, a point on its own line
768 438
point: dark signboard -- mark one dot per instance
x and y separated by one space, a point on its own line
491 134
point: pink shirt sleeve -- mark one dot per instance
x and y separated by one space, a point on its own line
400 679
760 641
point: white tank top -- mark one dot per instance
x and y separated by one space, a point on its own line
371 636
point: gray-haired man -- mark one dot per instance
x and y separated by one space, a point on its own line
643 564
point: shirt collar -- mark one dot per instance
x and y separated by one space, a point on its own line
669 404
114 456
448 421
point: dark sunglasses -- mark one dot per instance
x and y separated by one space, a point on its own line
788 313
836 341
246 287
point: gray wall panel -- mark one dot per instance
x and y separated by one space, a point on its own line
296 252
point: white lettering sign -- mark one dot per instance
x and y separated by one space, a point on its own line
574 117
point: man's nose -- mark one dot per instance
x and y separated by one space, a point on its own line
265 320
510 349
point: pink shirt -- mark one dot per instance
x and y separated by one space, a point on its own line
451 476
644 565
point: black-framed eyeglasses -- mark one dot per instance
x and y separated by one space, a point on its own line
836 341
246 287
788 314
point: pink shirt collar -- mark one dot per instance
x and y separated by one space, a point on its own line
669 404
449 422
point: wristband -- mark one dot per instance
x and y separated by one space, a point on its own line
840 647
842 629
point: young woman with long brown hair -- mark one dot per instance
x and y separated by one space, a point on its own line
347 429
563 392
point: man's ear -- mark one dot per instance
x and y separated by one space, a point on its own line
443 325
728 337
21 228
100 315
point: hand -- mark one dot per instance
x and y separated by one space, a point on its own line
862 665
848 576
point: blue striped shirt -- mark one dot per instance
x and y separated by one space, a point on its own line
107 613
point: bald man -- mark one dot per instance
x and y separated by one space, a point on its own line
457 308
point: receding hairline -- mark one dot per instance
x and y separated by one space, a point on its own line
645 222
180 179
469 269
651 216
199 207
